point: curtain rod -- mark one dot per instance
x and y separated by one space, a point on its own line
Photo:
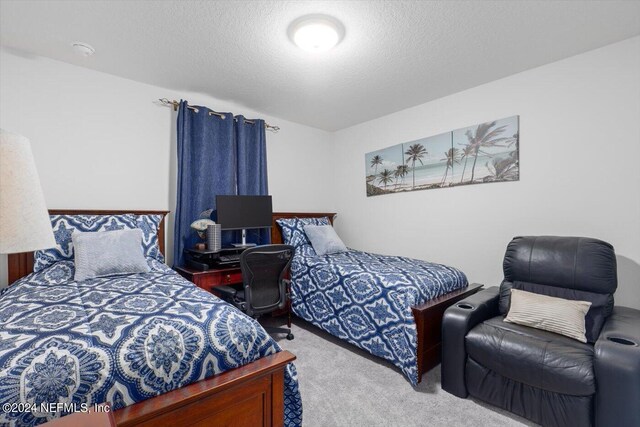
175 104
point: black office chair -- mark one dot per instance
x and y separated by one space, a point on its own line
264 288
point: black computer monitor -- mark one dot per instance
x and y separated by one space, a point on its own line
244 212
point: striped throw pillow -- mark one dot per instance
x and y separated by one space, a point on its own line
558 315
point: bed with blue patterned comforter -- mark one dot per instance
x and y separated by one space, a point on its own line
119 340
366 299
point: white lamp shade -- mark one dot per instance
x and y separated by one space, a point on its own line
24 220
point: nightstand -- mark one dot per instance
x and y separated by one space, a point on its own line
211 278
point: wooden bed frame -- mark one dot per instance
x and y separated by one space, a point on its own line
428 316
250 395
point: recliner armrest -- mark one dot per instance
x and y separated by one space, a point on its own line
617 369
457 321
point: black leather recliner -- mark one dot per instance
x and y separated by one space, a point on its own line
545 377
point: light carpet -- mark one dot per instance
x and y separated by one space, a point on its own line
342 385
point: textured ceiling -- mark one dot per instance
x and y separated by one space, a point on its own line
394 55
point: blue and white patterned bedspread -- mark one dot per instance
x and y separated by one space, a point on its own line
366 299
119 340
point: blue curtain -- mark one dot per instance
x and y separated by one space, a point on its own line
216 156
251 146
206 168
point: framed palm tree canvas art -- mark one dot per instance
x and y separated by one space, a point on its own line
487 152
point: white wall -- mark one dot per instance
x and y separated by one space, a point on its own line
579 153
100 142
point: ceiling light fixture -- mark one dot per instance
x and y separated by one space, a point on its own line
316 33
83 49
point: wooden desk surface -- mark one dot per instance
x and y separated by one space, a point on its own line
194 272
84 419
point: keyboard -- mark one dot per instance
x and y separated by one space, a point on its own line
230 258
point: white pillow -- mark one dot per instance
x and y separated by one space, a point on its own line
562 316
108 253
324 239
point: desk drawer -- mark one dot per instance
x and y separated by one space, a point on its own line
218 278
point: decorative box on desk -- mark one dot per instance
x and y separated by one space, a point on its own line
211 278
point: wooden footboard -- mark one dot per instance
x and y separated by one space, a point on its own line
251 395
428 317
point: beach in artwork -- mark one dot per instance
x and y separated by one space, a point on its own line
487 152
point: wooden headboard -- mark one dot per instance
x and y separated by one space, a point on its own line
22 264
276 234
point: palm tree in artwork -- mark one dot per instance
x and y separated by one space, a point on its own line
396 175
514 139
375 162
400 172
386 176
414 153
467 151
486 136
503 169
452 156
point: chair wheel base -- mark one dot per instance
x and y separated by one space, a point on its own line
289 336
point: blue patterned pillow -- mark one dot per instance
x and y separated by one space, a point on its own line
149 225
293 233
65 225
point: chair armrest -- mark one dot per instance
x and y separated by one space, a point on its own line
617 369
457 321
285 291
226 292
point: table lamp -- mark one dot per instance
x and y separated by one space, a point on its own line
24 220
